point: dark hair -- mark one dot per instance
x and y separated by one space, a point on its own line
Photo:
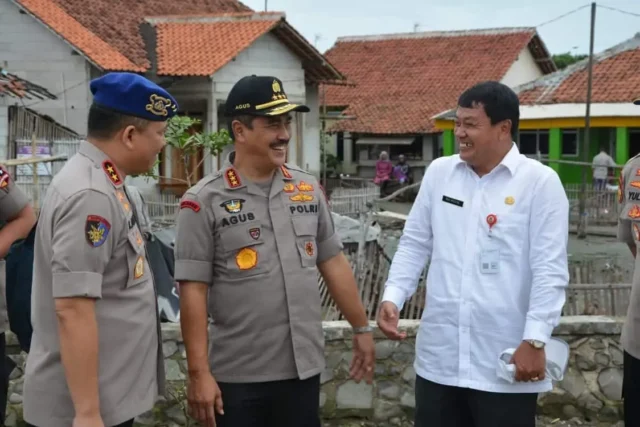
104 123
246 120
499 101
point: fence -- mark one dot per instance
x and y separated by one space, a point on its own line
600 206
353 195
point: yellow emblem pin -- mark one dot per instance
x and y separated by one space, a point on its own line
138 271
509 200
247 258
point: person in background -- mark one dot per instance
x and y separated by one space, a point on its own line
384 169
629 233
250 242
402 171
600 165
494 225
96 354
19 218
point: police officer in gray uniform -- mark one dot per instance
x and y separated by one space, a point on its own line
629 233
19 218
96 353
252 238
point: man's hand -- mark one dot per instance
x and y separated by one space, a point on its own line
88 421
203 396
364 357
530 362
388 321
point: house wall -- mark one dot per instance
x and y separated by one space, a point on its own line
31 51
523 70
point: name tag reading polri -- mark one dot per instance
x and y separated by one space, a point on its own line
453 201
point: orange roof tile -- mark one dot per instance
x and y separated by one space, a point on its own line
108 31
404 80
615 79
101 53
17 87
202 48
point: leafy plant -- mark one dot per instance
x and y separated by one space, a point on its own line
186 142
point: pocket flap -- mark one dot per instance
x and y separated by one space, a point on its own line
237 237
305 225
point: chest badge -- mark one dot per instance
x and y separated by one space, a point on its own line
303 186
634 212
254 233
289 188
309 249
509 200
138 271
233 206
246 258
301 198
620 185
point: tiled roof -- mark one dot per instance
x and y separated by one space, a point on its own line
180 44
616 79
402 80
108 31
16 87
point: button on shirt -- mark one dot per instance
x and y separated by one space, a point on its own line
473 312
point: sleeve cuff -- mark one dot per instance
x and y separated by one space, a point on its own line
193 271
329 248
395 295
537 330
77 284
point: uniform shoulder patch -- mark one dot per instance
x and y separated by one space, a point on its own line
190 204
111 171
96 230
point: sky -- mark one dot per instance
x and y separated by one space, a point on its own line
321 22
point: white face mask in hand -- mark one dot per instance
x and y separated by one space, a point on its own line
557 355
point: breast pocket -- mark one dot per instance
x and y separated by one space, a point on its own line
244 250
511 231
306 230
136 259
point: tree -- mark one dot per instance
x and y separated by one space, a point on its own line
563 60
188 143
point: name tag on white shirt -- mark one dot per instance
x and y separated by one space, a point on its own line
490 259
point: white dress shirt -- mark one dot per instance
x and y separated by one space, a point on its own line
471 316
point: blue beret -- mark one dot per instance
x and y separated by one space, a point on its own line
133 95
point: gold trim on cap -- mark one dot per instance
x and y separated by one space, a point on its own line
272 103
282 110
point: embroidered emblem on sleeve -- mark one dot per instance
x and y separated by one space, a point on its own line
96 230
190 204
138 270
247 258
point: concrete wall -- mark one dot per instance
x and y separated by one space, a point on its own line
591 387
523 70
31 51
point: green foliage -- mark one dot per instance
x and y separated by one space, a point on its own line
563 60
180 136
332 161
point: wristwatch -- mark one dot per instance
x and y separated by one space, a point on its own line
362 330
536 344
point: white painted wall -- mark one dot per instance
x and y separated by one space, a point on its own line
31 51
523 70
311 146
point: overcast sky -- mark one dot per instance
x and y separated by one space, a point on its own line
322 21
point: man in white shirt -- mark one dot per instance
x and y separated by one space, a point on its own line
601 164
494 225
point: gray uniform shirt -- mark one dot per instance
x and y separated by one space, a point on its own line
88 244
12 201
258 252
629 232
